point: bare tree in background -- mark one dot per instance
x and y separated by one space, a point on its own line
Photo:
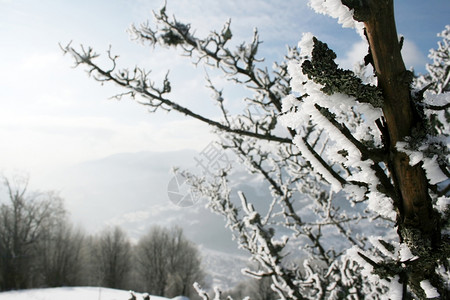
112 257
24 218
186 267
167 263
59 255
344 155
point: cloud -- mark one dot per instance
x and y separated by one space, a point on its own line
354 55
41 62
60 115
412 56
131 217
56 141
278 23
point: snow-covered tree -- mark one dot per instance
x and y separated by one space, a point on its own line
438 76
437 81
357 168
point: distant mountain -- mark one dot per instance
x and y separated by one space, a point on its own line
132 190
105 189
224 269
135 191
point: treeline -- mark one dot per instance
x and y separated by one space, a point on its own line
254 289
40 248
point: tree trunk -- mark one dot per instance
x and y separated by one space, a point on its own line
416 220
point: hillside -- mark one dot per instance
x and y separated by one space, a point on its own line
74 293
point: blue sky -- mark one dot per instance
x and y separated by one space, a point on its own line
53 116
49 108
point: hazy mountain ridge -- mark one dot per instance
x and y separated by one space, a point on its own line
130 190
224 269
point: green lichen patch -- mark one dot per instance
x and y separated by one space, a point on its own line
323 70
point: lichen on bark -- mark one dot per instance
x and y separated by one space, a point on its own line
323 70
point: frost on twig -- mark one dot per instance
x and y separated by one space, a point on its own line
317 137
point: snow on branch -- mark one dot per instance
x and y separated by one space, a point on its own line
315 134
337 10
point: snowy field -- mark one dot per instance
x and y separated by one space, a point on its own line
75 293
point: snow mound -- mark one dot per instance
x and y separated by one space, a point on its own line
178 298
75 293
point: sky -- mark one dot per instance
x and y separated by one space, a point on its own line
53 115
61 127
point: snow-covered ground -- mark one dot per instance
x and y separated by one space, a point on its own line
75 293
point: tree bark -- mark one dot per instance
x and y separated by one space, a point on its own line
415 207
417 222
